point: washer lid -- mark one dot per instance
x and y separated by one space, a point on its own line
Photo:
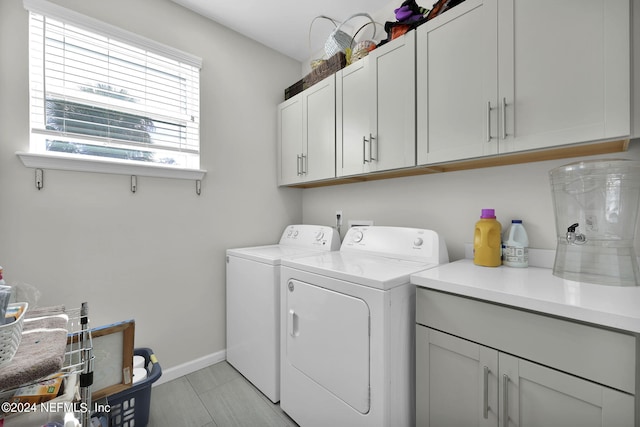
271 254
360 268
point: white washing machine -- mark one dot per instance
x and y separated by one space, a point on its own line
348 325
253 302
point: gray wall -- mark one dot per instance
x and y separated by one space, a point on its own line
157 255
450 202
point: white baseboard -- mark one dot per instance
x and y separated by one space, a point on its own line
191 366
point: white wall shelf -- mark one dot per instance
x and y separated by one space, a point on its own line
68 163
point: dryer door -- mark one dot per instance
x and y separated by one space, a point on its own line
328 340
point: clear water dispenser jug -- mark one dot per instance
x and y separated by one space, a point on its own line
596 209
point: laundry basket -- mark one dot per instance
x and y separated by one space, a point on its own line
338 40
11 334
130 407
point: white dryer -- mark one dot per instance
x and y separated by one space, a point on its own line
253 302
348 328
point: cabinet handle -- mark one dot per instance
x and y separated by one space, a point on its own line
364 150
298 158
371 138
504 118
305 164
485 409
505 400
489 137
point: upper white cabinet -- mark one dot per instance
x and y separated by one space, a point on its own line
376 110
457 83
486 78
306 135
289 140
498 77
564 72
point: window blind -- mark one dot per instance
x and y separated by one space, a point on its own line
100 91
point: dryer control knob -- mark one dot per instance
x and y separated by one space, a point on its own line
418 242
319 235
357 236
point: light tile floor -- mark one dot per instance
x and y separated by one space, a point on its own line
216 396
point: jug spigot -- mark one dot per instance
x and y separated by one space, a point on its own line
574 238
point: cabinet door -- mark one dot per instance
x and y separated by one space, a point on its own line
457 83
290 140
537 396
354 99
564 71
393 114
456 383
319 128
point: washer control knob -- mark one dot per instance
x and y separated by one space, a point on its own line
357 236
319 235
295 233
418 242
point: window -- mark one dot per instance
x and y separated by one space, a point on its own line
100 92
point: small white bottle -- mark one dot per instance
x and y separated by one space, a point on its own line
515 245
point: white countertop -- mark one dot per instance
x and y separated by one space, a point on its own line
537 289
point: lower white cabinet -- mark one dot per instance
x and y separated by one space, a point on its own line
462 382
534 395
456 381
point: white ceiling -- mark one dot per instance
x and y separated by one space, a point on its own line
283 25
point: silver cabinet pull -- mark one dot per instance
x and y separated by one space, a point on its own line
485 409
371 138
364 150
505 400
298 159
305 164
504 118
489 137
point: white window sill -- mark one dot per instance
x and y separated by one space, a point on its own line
120 167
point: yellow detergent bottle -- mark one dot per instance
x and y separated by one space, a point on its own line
487 240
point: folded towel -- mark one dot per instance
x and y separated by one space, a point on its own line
43 311
41 351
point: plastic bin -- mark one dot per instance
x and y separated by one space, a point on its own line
130 408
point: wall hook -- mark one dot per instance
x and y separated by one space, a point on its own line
39 179
198 187
134 183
